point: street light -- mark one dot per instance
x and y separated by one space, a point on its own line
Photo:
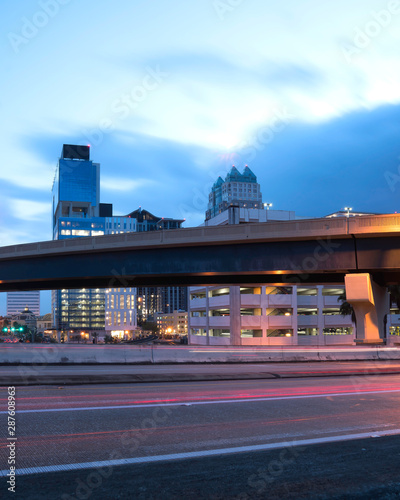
348 211
267 205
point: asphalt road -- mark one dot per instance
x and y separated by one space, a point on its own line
241 439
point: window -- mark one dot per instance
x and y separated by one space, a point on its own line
250 290
220 333
219 292
219 312
250 333
80 232
279 333
198 331
249 312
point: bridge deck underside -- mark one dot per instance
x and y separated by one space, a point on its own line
284 262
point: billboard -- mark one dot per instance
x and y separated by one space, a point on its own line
75 152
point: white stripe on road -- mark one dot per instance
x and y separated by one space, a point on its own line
192 403
197 454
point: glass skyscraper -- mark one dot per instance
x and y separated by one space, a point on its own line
77 212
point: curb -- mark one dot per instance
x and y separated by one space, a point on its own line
157 378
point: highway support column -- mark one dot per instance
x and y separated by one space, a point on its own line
370 303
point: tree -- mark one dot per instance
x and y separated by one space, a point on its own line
346 309
150 326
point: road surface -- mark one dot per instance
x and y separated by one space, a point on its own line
226 439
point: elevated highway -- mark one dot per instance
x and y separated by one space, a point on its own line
302 251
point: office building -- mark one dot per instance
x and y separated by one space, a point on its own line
77 212
18 301
174 323
121 307
237 189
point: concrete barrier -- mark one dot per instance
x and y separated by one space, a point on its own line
31 354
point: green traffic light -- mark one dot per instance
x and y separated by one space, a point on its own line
20 328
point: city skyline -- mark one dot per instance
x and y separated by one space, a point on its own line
306 95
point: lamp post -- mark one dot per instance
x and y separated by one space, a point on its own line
349 209
267 205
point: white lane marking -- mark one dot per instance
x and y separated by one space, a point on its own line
279 351
219 401
198 454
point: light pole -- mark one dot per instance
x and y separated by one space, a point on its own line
267 205
349 209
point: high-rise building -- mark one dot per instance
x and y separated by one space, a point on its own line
18 301
77 212
173 298
237 189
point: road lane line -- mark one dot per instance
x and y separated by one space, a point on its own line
197 454
193 403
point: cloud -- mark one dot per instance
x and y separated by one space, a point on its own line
28 210
123 184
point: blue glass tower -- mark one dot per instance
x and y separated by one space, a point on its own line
77 212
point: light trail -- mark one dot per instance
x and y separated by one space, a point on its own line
151 403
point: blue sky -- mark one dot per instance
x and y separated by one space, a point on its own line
171 94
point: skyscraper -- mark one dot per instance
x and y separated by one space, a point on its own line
237 189
77 212
18 301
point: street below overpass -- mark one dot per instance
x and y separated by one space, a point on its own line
271 438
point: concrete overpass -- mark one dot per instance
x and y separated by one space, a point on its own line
303 251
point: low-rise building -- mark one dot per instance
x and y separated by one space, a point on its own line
175 323
268 315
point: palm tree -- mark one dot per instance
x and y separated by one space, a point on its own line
346 309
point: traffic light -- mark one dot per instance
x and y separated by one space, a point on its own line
21 328
5 329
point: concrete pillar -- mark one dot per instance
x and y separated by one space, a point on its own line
294 317
58 336
370 303
235 319
320 316
207 315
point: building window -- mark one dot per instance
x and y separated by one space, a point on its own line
216 332
219 312
250 333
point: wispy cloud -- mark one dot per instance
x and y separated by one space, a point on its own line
123 183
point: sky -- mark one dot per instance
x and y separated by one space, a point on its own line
170 95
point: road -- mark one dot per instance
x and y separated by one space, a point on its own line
95 374
173 432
